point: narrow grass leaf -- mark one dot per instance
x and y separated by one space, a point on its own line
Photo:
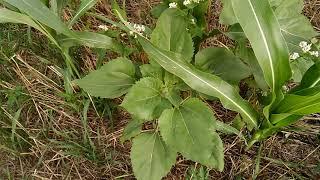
84 7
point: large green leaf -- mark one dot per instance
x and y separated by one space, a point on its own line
110 81
263 31
171 34
222 63
40 12
151 158
84 7
200 81
190 130
295 26
144 99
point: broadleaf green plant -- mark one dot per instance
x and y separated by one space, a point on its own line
184 124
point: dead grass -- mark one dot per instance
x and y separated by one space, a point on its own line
51 121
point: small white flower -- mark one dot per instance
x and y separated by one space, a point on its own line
294 56
173 5
193 21
139 28
303 44
186 2
131 33
314 53
307 48
285 88
103 27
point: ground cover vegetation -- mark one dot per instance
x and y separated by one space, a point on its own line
179 89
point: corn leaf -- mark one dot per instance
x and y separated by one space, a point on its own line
285 119
263 31
200 81
84 7
189 128
151 158
40 12
299 104
295 27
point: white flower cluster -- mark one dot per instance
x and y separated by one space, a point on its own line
173 5
103 27
305 46
314 53
187 2
294 56
137 29
306 49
